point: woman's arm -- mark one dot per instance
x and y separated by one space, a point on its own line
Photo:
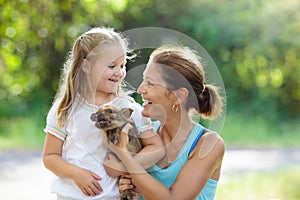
152 151
86 180
200 167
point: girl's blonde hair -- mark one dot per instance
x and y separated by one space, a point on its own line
182 67
73 78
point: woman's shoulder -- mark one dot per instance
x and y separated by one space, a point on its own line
212 135
210 143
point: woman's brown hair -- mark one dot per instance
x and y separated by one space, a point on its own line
182 67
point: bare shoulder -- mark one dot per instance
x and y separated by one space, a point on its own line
211 143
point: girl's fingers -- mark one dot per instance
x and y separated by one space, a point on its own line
124 182
122 188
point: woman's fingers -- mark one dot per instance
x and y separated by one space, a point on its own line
127 127
124 139
104 138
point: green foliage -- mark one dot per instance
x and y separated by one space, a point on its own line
255 44
35 38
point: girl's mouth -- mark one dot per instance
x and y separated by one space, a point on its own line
113 80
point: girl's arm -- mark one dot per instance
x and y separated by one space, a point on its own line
86 180
202 165
153 150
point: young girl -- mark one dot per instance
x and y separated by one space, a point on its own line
73 147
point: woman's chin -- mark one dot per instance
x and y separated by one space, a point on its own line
154 111
145 113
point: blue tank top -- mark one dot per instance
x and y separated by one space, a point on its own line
168 175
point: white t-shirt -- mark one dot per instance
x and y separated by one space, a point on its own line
83 145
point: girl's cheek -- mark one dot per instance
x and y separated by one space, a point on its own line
123 74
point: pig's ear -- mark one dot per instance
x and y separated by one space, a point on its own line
126 112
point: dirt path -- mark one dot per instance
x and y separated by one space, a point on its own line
23 176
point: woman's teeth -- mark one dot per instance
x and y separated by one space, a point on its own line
146 102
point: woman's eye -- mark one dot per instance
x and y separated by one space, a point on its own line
111 66
149 83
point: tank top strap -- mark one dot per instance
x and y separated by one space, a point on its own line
196 140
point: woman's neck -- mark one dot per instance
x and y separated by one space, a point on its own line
176 129
174 132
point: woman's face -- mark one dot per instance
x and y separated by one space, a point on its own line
109 70
157 102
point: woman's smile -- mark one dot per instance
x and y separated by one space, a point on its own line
146 102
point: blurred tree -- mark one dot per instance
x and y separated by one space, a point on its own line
255 44
35 38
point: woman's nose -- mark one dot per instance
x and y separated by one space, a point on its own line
141 89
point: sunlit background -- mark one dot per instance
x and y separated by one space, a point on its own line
255 44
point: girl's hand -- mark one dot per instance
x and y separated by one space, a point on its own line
87 182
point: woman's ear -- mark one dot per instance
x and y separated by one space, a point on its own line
181 94
86 66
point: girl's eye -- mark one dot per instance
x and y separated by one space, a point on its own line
113 66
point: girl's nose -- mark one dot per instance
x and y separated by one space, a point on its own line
118 71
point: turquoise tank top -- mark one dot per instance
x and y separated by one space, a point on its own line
168 175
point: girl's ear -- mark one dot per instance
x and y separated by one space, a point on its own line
86 66
181 94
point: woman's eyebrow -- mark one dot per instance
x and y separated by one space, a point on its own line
148 78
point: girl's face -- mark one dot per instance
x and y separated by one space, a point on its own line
157 98
109 70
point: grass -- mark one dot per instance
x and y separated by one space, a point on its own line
244 131
22 133
22 124
275 185
239 131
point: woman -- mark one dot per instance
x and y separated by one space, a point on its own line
173 89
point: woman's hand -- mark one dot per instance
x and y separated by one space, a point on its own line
113 167
124 139
122 143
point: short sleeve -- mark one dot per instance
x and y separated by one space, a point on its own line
51 124
142 123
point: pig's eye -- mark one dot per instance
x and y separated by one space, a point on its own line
110 111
